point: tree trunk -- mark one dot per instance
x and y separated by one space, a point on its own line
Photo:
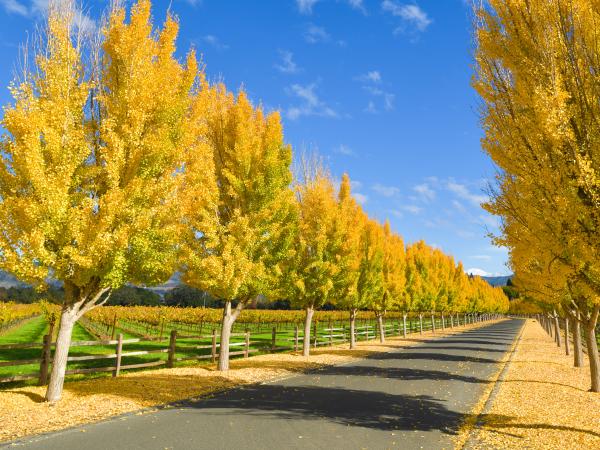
404 324
451 320
307 322
590 323
567 343
421 322
59 362
229 318
557 330
433 323
592 347
577 350
352 329
380 326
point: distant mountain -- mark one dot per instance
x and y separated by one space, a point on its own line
170 284
498 281
8 281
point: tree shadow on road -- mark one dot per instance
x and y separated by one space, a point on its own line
369 409
495 341
431 357
455 347
398 373
356 408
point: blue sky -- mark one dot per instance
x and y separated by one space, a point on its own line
380 88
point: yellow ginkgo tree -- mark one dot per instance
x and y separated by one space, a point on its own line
536 72
254 216
314 264
92 162
394 276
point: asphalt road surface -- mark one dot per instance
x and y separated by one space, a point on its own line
410 398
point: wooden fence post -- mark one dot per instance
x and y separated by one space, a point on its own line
296 338
162 329
273 339
114 327
172 344
46 355
51 324
119 352
213 353
247 346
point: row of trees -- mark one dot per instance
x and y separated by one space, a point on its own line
122 164
343 257
537 74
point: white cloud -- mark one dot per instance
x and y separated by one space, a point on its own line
388 101
311 104
488 220
478 272
372 81
373 76
306 6
39 8
410 14
465 234
287 64
371 108
194 3
425 192
315 34
358 4
463 192
458 206
413 209
344 150
360 198
481 257
386 191
14 7
213 40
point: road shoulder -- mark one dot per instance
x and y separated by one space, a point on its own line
541 402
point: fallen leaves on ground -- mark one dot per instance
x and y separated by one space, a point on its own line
543 402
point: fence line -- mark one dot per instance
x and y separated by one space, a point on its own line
324 337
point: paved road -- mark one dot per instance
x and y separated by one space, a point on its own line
412 398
